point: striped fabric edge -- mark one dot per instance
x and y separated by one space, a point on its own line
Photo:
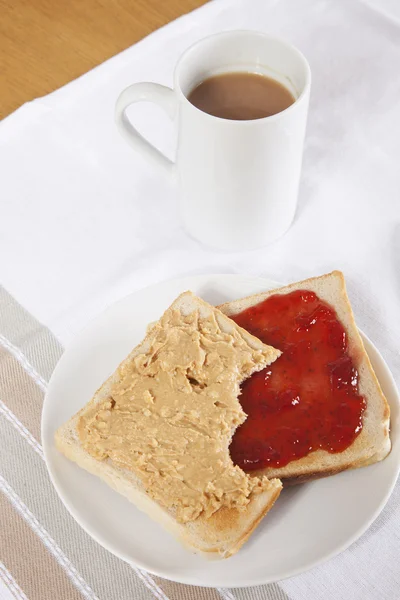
47 540
11 584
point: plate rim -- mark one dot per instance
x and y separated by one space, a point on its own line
269 284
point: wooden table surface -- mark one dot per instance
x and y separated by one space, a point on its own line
46 43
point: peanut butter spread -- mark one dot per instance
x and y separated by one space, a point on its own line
171 416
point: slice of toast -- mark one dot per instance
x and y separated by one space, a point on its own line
373 442
224 531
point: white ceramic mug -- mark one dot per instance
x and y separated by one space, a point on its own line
238 180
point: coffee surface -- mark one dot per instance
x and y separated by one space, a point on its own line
241 96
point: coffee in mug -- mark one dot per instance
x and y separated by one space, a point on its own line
241 96
237 176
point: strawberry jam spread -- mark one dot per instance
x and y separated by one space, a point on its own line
308 399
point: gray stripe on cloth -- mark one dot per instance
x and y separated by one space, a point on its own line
36 342
182 591
261 592
24 399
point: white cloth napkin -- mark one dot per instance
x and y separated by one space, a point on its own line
85 221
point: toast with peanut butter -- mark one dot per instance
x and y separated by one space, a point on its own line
158 430
320 409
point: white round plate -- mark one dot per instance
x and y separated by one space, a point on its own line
309 523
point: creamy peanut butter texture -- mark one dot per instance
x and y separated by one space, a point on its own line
170 418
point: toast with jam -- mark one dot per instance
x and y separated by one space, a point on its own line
319 409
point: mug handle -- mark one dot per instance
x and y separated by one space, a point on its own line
145 92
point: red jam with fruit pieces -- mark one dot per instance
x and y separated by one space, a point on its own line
308 398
